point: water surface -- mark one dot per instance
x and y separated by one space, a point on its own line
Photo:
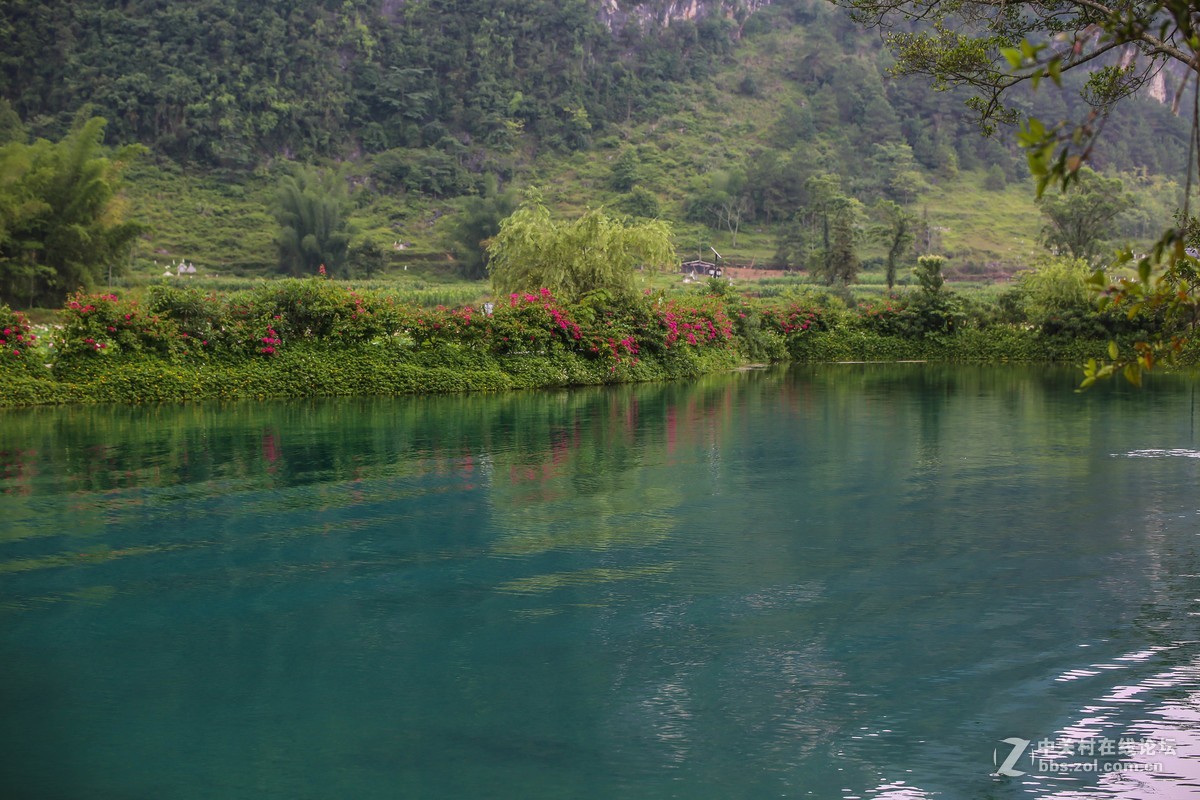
833 582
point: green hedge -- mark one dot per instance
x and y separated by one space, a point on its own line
364 370
312 338
394 369
994 345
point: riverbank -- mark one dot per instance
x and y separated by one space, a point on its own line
311 372
312 338
396 369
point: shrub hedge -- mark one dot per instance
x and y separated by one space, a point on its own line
294 338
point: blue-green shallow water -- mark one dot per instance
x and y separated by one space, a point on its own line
835 582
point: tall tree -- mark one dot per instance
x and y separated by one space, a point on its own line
313 229
475 226
62 218
625 172
895 231
841 262
833 217
1078 220
721 200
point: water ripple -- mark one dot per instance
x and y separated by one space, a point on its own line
1174 453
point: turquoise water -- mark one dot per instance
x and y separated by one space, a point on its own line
838 582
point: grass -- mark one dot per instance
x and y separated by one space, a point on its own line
981 229
219 225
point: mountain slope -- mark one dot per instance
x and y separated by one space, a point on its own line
715 114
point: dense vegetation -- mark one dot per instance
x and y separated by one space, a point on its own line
231 82
764 134
1112 50
361 138
62 223
318 337
228 81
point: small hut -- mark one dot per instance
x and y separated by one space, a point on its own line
698 267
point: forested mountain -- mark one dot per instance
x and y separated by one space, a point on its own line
231 82
745 101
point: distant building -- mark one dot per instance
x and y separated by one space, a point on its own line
699 267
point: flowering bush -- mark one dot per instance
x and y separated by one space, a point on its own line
17 338
102 324
181 324
311 307
797 318
699 322
429 328
888 316
370 317
203 320
269 342
755 328
528 322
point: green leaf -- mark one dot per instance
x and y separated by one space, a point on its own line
1133 374
1054 69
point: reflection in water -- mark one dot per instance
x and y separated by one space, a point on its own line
845 581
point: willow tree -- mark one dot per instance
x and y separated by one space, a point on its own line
62 217
574 258
313 229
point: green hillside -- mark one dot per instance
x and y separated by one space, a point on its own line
729 125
